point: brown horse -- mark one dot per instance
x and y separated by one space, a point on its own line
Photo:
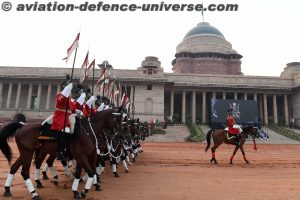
83 148
221 136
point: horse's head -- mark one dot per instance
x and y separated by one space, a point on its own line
251 130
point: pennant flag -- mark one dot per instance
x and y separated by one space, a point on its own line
117 92
92 65
85 63
74 46
101 87
102 76
124 97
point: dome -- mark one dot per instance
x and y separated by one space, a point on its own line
204 28
205 38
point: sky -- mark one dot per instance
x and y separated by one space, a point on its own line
265 32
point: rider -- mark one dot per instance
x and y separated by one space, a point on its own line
88 110
233 128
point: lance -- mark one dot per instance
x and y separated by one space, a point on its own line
93 84
133 108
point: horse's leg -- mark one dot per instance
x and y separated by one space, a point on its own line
53 171
44 171
26 161
66 168
13 169
127 158
38 162
123 157
114 167
76 182
244 155
233 154
132 155
92 179
213 153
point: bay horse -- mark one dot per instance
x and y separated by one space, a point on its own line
83 148
221 136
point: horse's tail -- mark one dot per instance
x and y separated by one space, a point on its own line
6 132
208 137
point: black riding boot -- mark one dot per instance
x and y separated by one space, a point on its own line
237 140
61 146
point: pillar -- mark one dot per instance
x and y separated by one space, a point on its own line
18 95
214 95
275 109
245 96
224 95
172 103
183 107
29 96
286 110
39 94
48 96
203 107
255 96
235 96
58 89
266 121
193 107
261 115
9 95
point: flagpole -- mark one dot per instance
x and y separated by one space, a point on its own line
104 78
133 102
67 104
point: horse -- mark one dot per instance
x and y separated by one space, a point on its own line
27 142
221 136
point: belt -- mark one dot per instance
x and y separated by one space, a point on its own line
64 110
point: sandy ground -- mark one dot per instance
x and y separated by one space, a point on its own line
181 171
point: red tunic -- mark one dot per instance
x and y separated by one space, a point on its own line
231 122
59 114
87 111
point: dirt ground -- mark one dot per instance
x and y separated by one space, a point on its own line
179 171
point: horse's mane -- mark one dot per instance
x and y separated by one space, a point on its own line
100 115
247 128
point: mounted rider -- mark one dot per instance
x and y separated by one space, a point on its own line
233 128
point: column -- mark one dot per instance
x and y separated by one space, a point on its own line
39 94
224 95
1 94
172 103
18 95
261 116
235 95
9 95
214 95
194 107
48 96
286 110
245 96
275 109
58 88
203 107
183 106
29 96
131 93
266 121
255 97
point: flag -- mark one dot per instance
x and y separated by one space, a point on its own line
92 65
74 46
124 97
85 63
117 92
102 76
101 87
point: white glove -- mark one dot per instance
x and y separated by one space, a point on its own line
81 99
79 112
91 101
67 90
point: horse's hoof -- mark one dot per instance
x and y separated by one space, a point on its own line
39 184
133 160
77 196
231 162
116 174
83 195
55 183
126 171
7 194
97 187
37 197
247 162
45 177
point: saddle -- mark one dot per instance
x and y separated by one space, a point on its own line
48 134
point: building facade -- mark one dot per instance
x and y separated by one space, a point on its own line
205 67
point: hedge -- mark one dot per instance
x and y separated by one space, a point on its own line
196 134
286 132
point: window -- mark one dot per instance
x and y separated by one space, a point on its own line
34 102
149 71
149 87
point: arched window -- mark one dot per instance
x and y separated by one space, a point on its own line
149 106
